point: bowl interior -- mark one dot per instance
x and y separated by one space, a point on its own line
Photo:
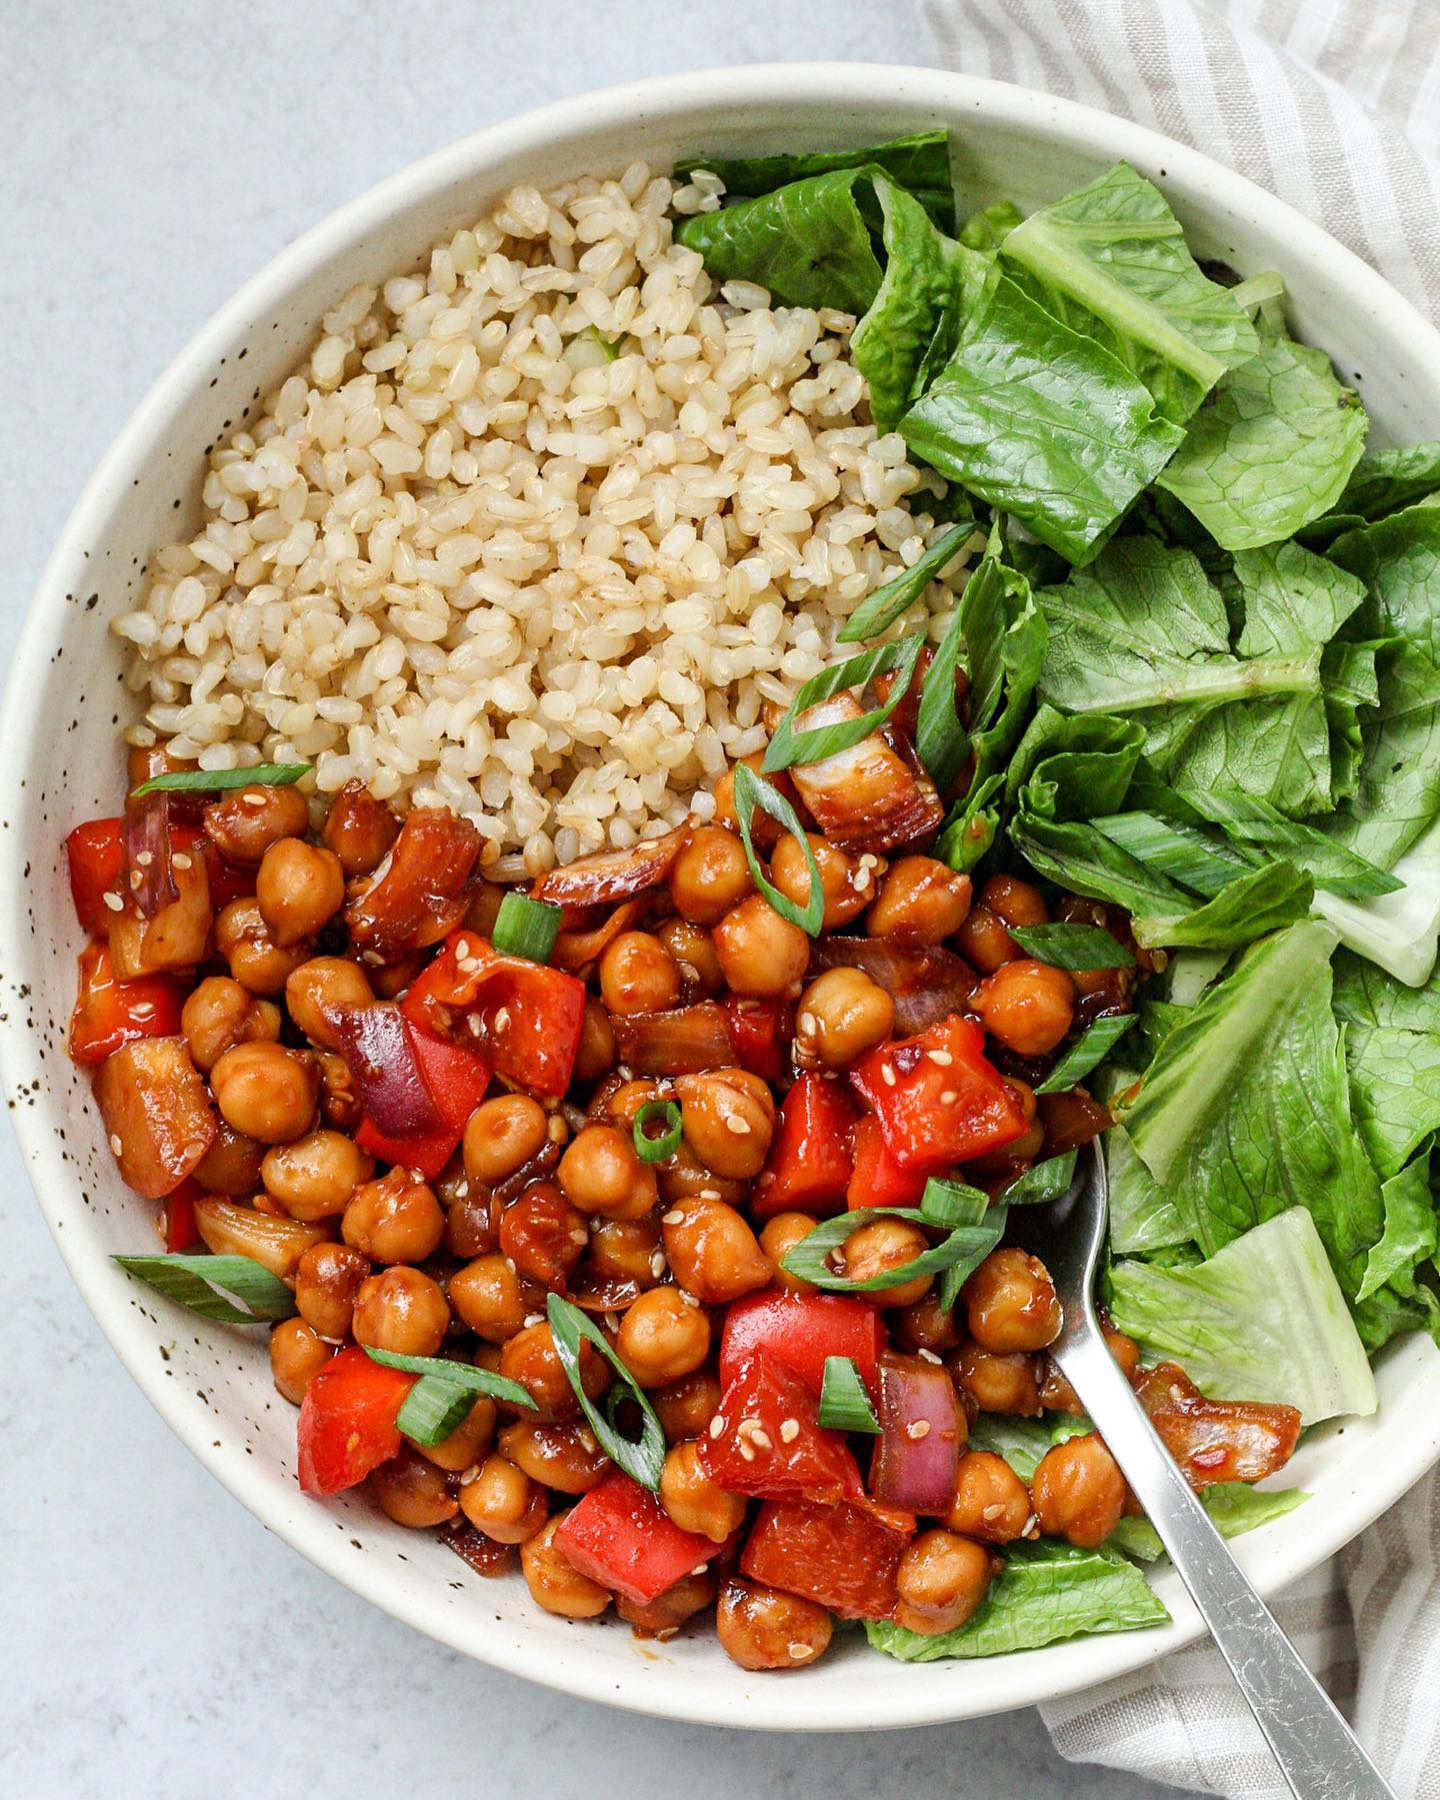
58 754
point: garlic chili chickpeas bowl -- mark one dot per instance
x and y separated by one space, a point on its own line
583 1171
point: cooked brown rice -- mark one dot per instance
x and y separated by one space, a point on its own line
466 556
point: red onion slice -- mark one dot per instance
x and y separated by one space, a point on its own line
375 1042
685 1041
149 877
921 1435
926 984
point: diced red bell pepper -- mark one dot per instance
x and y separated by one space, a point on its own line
177 1217
770 1442
759 1030
457 1079
96 856
938 1100
798 1331
812 1158
621 1536
878 1179
347 1421
844 1556
526 1016
109 1012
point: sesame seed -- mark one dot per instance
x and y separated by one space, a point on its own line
587 1440
708 1194
929 1356
943 1057
789 1430
251 798
761 1439
917 1429
114 902
145 858
717 1425
462 948
995 1510
612 1321
861 881
887 1074
475 1025
736 1124
657 1264
689 1299
135 878
502 1018
580 1237
808 1024
533 1319
948 1097
675 1216
558 1130
869 860
115 1143
180 860
801 1652
699 1569
747 1454
143 1010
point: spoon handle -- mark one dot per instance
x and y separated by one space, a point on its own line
1315 1748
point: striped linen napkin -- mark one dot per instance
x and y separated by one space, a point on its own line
1335 106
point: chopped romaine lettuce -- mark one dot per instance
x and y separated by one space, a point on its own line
1400 931
919 162
1398 560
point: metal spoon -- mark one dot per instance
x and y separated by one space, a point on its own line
1317 1752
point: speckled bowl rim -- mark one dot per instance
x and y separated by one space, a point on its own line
890 1694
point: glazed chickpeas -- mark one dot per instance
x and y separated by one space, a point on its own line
1078 1491
359 830
299 888
297 1355
501 1136
663 1336
543 1234
712 1251
400 1310
219 1014
847 882
1013 901
315 1176
1028 1006
941 1580
627 1250
412 1491
256 961
247 821
842 1015
709 875
778 1238
921 901
503 1502
991 1502
692 1499
266 1092
728 1117
320 987
998 1382
562 1456
638 974
600 1172
984 942
663 1616
760 953
530 1358
764 1628
1011 1304
396 1219
597 1054
555 1586
327 1279
686 1407
488 1297
468 1443
695 958
879 1247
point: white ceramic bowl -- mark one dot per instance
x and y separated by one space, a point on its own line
60 763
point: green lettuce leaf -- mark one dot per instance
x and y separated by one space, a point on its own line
1234 1507
1400 931
1271 449
1111 262
1041 421
919 162
1397 793
1142 1216
1045 1592
1262 1319
1398 560
1392 1050
1384 481
1262 901
1411 1235
987 229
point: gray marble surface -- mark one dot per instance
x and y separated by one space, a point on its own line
156 1640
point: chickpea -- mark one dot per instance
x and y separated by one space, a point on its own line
693 1500
600 1172
760 953
231 1165
713 1253
299 889
503 1502
763 1628
597 1053
315 1176
564 1457
991 1501
1027 1005
396 1219
843 1013
686 1407
662 1337
471 1217
392 978
984 942
997 1383
400 1310
1078 1491
412 1491
638 974
555 1586
941 1580
627 1250
297 1353
470 1441
683 1176
320 987
847 882
765 832
247 821
327 1279
921 901
256 961
1014 902
663 1616
266 1092
502 1135
927 1325
1000 1165
778 1238
709 876
695 958
219 1014
877 1248
359 830
489 1297
728 1117
530 1358
1010 1303
339 1100
543 1235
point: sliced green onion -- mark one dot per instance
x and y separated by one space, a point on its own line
752 790
1070 945
878 611
433 1409
236 1290
844 1404
951 1203
1041 1182
649 1147
970 830
964 1248
787 747
214 781
458 1374
526 927
642 1461
941 741
1085 1053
